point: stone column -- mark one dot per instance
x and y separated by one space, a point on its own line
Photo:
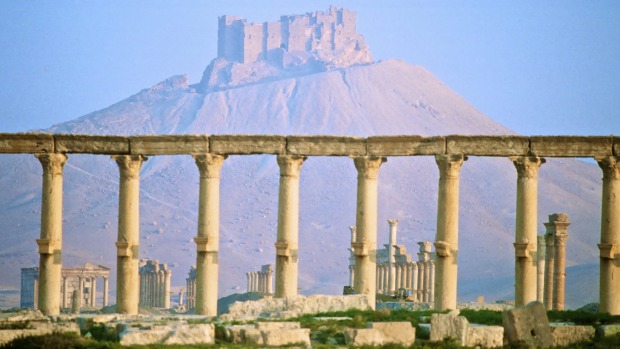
431 282
557 227
549 266
365 246
352 257
540 268
403 275
80 290
270 280
391 265
105 292
208 237
446 241
167 289
249 282
50 242
396 277
427 281
288 226
421 268
610 237
526 235
408 275
93 292
64 291
127 274
379 273
414 281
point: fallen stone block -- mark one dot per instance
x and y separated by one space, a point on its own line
192 334
565 334
39 329
363 336
270 326
236 333
137 336
528 325
608 330
400 332
181 334
485 336
253 336
449 325
282 337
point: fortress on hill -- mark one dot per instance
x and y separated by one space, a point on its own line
243 42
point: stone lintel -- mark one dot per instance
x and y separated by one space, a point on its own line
66 143
169 144
487 145
571 146
405 145
326 145
247 144
28 143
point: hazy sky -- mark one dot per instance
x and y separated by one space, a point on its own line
538 67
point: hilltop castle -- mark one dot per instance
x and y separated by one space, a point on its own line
313 42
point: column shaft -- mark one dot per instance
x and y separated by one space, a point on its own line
549 266
540 268
365 246
526 236
288 226
93 292
105 292
391 264
208 237
610 237
559 271
127 269
50 243
446 241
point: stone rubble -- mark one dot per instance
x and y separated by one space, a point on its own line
528 324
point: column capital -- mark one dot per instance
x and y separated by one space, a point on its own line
450 165
209 165
290 165
610 166
52 162
527 166
129 165
549 239
560 239
393 222
368 166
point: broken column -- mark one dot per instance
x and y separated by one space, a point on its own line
50 242
365 246
540 269
610 236
208 236
127 277
288 226
558 228
391 267
526 236
446 241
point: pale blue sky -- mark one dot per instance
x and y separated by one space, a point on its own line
550 67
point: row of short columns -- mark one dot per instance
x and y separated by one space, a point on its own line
155 288
261 281
364 247
417 277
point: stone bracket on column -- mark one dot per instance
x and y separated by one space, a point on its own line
204 244
522 249
284 249
442 249
124 249
360 249
46 246
608 251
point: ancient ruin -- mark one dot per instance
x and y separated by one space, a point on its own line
82 280
154 284
367 155
554 261
397 271
261 281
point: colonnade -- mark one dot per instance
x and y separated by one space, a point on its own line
369 154
261 281
79 278
554 261
155 284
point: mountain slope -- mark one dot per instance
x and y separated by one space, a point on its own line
386 98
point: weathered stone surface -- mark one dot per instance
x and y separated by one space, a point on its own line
449 325
270 326
405 145
253 336
295 306
276 338
325 145
236 333
616 146
192 334
608 330
177 334
38 329
247 144
169 145
485 336
487 145
571 146
66 143
564 334
363 336
528 324
16 143
137 336
400 332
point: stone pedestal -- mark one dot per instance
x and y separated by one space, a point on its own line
446 241
208 236
50 243
127 280
526 238
365 246
610 236
288 226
